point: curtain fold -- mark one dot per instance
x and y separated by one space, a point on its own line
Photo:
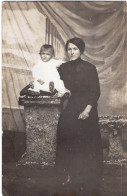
103 27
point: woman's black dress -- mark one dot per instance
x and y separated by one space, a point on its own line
79 148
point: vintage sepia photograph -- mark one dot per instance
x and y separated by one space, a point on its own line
64 98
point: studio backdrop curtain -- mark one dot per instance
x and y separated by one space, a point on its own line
28 25
103 27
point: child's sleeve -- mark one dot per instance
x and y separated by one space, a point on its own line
36 71
59 63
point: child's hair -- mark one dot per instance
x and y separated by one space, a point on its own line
46 47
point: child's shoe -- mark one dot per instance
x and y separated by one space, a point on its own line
51 87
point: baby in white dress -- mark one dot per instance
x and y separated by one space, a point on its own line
45 74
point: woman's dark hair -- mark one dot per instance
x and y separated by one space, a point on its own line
46 47
78 42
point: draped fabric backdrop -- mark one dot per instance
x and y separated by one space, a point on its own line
28 25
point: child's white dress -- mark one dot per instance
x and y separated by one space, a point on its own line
47 72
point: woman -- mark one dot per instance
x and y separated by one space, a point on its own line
79 150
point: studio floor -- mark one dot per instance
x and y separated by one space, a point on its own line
31 181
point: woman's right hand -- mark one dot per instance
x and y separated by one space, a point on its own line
67 94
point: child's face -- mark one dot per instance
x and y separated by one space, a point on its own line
46 55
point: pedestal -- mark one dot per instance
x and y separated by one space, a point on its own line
41 117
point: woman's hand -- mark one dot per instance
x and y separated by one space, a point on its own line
67 93
85 113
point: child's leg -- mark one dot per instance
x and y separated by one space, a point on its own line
45 93
24 91
28 91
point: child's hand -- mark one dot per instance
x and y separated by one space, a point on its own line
31 85
41 81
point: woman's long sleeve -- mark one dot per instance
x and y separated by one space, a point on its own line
94 87
60 71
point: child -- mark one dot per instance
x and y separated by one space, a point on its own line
45 74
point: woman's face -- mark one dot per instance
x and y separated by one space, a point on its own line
73 52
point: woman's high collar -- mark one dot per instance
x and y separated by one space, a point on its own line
75 61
